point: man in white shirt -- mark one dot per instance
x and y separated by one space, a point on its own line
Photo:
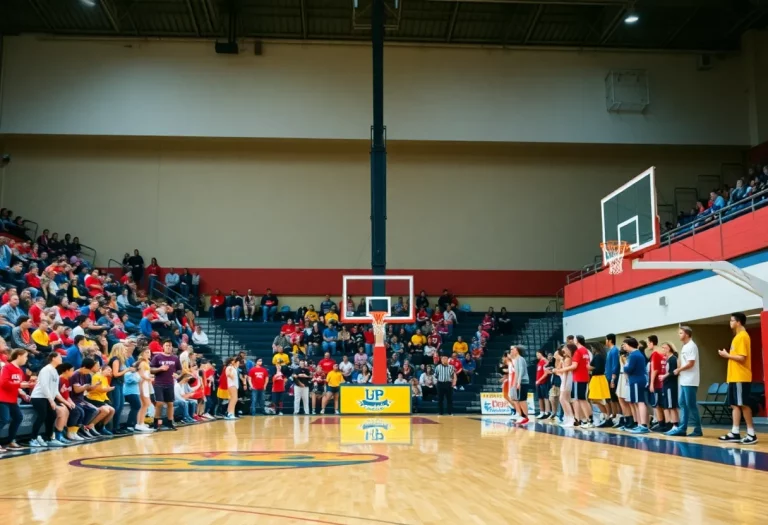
346 367
689 378
199 337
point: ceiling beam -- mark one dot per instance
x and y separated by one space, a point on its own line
107 10
304 28
532 23
193 17
613 26
38 10
738 26
680 28
213 14
452 23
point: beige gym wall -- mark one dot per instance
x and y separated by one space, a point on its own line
220 203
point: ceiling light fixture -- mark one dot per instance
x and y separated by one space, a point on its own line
631 17
89 3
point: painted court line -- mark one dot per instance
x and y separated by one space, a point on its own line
732 457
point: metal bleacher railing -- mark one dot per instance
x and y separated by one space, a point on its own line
32 231
697 225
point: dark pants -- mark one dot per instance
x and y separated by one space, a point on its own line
10 413
45 415
76 416
445 392
117 400
428 392
135 401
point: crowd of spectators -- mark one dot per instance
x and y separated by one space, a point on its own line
746 188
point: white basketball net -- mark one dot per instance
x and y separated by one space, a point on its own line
613 252
379 327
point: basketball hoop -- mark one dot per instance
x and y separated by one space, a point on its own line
378 324
613 254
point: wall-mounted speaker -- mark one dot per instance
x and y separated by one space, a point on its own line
227 48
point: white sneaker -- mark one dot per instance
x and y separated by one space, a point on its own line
230 417
567 423
55 443
144 429
338 413
37 443
74 437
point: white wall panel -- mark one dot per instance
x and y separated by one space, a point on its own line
702 299
142 88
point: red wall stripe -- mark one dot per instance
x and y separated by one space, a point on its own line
302 281
735 238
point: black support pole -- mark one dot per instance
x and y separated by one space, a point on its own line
378 153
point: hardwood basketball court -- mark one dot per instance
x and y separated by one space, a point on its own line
397 470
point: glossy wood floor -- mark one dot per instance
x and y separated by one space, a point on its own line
455 470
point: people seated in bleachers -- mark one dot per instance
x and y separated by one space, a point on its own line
269 303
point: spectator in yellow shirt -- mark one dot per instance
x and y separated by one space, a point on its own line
331 316
40 337
311 315
418 340
739 378
281 358
460 346
334 379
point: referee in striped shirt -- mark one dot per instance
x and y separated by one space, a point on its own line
446 380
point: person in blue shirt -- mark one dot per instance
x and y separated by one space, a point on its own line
469 366
326 305
636 376
718 202
75 352
5 254
330 336
612 374
145 327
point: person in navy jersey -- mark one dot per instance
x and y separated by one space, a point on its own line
635 370
164 365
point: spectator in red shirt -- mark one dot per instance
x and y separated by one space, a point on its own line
288 328
258 379
542 386
153 273
94 284
421 317
278 389
326 364
580 366
217 304
437 316
318 390
370 340
155 346
461 376
36 310
32 277
12 381
655 385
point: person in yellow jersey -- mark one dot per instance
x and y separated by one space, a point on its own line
281 358
739 378
332 316
98 396
334 379
460 346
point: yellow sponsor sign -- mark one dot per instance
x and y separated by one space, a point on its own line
368 430
375 399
